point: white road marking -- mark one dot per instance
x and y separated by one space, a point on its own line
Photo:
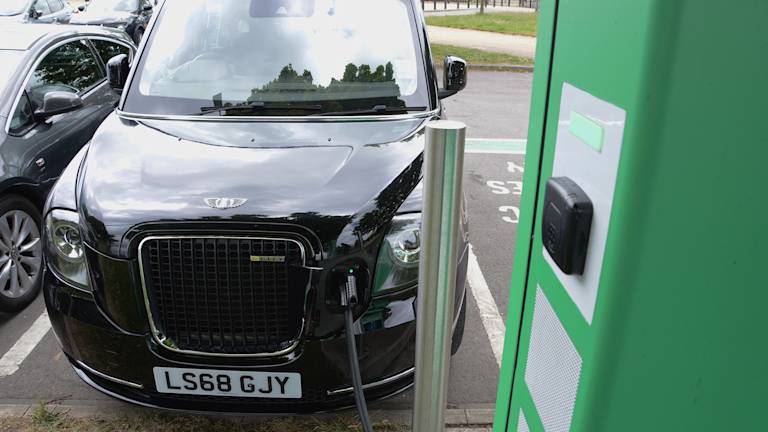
489 312
11 361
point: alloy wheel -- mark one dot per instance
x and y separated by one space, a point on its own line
21 254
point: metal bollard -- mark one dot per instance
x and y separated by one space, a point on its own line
443 170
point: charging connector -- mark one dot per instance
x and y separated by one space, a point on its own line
349 299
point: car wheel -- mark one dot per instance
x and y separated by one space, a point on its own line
138 35
21 253
458 332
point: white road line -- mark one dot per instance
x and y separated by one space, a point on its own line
11 361
489 312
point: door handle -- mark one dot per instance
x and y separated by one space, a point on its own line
40 163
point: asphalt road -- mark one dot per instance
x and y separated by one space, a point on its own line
494 105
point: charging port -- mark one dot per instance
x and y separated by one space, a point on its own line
342 277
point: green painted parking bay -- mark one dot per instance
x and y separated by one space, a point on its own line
488 145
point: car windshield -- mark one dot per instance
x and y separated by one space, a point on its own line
101 6
9 61
12 7
281 57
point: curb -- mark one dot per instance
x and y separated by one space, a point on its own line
475 419
501 67
495 68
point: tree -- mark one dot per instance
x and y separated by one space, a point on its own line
364 73
389 72
350 73
378 76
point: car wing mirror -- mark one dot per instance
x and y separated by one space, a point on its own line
117 71
58 102
81 8
454 77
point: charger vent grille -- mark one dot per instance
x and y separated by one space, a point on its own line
553 368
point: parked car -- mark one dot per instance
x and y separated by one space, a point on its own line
266 158
35 11
53 96
132 16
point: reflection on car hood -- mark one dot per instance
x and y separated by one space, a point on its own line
352 176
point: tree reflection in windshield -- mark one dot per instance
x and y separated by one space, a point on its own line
373 87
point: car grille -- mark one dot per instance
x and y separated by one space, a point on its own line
226 296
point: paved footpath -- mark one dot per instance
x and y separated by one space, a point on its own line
523 46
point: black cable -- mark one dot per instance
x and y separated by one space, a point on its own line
349 300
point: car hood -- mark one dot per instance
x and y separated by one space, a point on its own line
8 19
100 17
341 180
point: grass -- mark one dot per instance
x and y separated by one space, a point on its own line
514 23
476 56
46 419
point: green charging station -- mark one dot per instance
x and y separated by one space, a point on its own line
656 111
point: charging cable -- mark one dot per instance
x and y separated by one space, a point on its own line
349 300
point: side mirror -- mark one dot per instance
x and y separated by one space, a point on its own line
81 8
454 77
117 71
58 102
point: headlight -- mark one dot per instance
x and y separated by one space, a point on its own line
121 27
398 264
64 247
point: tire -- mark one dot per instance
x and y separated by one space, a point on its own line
458 332
21 253
138 35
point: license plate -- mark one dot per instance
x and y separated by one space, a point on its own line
213 382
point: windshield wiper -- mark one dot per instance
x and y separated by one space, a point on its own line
254 107
378 109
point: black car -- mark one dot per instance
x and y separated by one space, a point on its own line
132 16
266 157
53 96
35 11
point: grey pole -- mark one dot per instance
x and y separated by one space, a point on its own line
443 168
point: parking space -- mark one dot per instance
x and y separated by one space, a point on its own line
495 107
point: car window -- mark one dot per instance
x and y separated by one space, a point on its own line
55 5
41 6
23 117
107 49
70 67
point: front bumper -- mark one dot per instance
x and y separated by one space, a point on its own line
120 363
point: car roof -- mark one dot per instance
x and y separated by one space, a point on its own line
23 37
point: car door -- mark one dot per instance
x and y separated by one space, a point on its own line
45 147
